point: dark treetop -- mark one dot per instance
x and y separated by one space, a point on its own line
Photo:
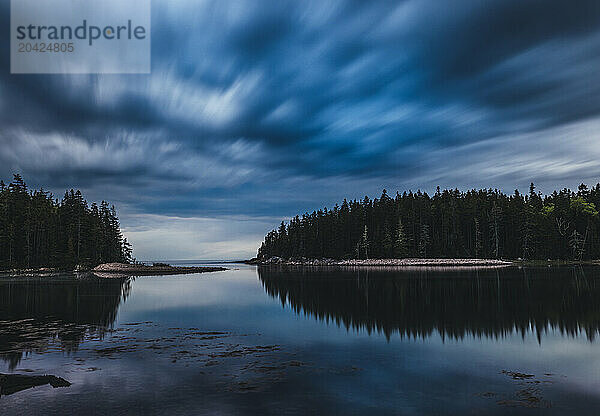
482 223
37 230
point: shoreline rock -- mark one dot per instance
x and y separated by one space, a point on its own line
412 262
40 272
123 269
14 383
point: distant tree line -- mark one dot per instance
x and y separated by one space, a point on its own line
37 230
482 223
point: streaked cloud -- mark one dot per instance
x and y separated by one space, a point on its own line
263 109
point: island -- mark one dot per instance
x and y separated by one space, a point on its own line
477 227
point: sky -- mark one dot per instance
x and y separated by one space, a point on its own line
257 110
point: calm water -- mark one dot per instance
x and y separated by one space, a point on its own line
307 341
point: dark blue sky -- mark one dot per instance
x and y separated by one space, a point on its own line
258 110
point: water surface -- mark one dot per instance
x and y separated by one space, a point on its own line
307 341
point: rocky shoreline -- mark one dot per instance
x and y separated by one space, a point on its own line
109 270
123 269
42 271
385 262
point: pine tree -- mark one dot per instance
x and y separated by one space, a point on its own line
484 223
388 241
478 241
401 243
577 243
424 240
494 222
364 243
37 230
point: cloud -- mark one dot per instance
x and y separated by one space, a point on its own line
159 237
266 109
554 157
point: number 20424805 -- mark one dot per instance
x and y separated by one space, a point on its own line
55 47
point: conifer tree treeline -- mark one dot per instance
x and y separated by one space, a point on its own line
37 230
482 223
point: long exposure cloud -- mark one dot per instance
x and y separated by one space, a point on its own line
262 109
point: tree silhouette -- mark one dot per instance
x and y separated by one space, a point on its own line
37 230
483 223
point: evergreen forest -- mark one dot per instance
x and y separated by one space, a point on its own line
483 223
38 230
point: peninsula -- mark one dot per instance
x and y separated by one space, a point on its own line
157 269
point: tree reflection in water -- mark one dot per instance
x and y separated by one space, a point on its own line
38 312
455 303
